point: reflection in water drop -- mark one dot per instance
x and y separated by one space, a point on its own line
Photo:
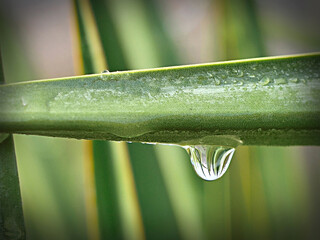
209 161
105 71
24 102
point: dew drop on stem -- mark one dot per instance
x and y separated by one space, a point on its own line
265 81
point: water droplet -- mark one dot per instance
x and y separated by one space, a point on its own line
87 96
210 161
265 81
201 78
279 81
293 80
240 73
24 102
254 66
105 71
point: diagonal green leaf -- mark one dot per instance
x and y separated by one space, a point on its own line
156 208
107 200
237 192
184 190
118 210
109 36
11 215
152 211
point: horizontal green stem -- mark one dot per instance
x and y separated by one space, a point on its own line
266 101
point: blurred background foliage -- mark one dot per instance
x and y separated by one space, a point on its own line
74 189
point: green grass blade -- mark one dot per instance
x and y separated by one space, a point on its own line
242 33
109 36
118 209
52 187
11 214
49 207
271 101
161 220
101 208
184 190
156 216
116 200
91 50
243 39
133 29
107 202
284 181
166 52
156 208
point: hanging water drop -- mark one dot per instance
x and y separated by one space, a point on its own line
210 161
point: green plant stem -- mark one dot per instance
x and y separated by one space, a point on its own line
267 101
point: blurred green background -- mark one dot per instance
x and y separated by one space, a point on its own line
74 189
